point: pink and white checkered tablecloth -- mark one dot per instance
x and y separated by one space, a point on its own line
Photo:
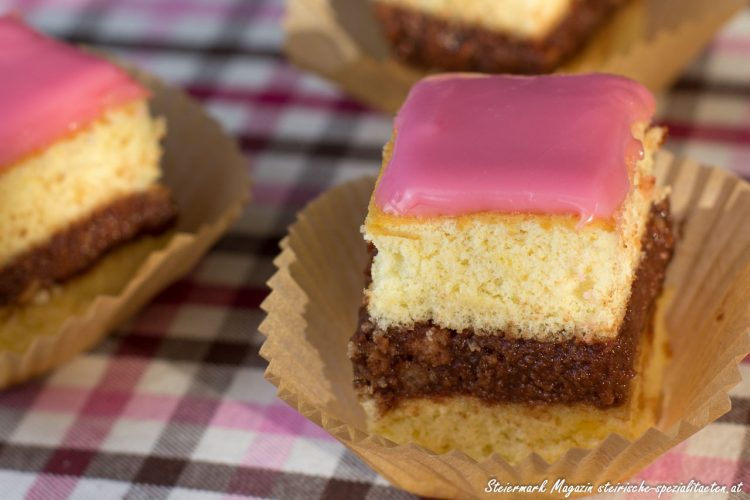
174 404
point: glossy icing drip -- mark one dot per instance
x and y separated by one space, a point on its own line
49 90
544 145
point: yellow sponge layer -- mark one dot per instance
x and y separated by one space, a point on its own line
522 18
530 276
116 156
511 431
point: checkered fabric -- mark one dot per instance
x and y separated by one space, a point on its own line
174 405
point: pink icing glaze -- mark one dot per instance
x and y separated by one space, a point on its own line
49 90
508 144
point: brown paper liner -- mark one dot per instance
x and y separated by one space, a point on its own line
207 176
317 290
649 40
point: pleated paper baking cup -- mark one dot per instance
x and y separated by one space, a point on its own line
648 40
317 291
207 176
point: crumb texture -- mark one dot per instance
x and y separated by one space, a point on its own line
515 430
116 156
73 250
394 364
537 277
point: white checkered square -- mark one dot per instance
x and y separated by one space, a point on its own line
248 385
177 69
193 29
271 167
245 73
729 67
314 456
87 488
42 428
197 322
353 169
83 371
189 494
372 130
302 123
223 445
167 378
15 484
264 36
126 24
314 85
723 440
232 117
739 27
50 19
133 436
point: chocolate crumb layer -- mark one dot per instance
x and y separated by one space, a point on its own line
429 361
77 247
431 42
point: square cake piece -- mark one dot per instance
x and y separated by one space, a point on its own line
491 36
519 244
79 162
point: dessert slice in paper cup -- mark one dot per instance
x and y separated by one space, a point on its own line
207 175
317 292
648 40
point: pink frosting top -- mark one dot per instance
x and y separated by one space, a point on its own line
509 144
49 90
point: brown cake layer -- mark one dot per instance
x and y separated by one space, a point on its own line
431 42
429 361
76 248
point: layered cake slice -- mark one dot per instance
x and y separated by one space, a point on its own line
519 244
79 162
492 36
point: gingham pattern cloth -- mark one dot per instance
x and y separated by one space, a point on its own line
174 404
